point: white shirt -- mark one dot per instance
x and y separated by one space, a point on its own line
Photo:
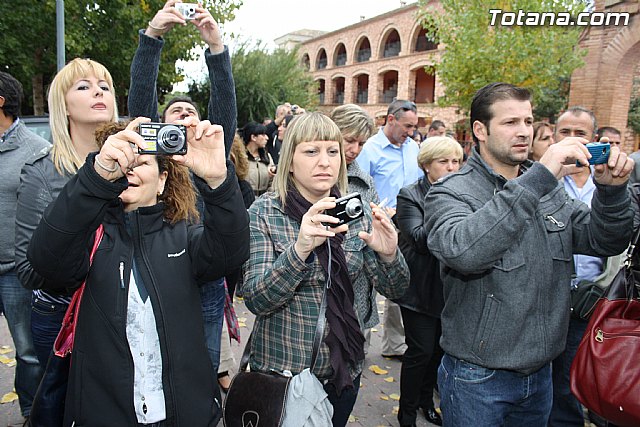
144 344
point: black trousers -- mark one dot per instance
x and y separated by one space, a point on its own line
419 372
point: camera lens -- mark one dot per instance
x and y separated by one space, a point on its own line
353 209
171 139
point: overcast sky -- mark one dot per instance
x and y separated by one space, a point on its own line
266 20
269 19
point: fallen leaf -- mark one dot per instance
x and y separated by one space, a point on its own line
6 360
381 302
9 397
242 325
394 396
384 397
242 319
395 411
389 379
374 330
12 363
5 349
352 419
378 370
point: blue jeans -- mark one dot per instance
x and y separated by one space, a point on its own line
46 319
566 410
16 304
343 404
475 396
213 295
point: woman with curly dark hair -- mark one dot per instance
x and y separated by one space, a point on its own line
139 357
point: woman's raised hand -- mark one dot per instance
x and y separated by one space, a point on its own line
164 20
205 151
383 238
118 153
313 232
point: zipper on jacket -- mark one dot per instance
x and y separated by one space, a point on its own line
550 218
147 264
121 268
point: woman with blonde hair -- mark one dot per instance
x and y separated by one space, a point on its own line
138 356
422 304
293 237
81 98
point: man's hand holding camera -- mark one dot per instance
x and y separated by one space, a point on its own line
561 159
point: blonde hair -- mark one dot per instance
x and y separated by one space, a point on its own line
65 157
306 128
437 147
239 157
353 121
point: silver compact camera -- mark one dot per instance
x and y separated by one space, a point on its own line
187 10
347 209
163 138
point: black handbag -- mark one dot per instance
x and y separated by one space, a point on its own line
584 298
259 399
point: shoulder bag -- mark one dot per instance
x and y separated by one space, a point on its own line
605 376
278 399
48 404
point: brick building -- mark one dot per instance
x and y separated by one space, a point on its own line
605 83
376 60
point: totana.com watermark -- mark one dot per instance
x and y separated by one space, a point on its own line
522 18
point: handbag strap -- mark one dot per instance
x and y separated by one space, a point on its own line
633 248
64 348
317 337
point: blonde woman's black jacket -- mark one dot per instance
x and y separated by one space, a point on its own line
172 259
424 294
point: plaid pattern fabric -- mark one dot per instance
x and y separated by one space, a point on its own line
284 291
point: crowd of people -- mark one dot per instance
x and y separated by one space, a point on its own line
476 258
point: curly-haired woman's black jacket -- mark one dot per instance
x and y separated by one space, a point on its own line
172 260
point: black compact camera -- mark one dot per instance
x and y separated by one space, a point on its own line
347 209
163 138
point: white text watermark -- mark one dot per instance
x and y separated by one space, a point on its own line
562 19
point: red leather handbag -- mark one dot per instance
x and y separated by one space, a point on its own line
605 374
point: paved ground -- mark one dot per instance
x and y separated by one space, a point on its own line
377 401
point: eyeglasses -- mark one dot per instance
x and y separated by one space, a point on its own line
404 106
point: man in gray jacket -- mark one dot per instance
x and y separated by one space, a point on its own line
17 145
505 231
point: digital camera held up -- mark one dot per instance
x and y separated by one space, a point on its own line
187 10
163 138
347 209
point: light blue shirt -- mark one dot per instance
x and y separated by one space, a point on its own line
391 167
587 267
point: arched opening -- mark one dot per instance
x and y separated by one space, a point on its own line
425 86
423 43
362 89
364 50
392 45
321 89
389 86
338 92
306 62
322 60
341 55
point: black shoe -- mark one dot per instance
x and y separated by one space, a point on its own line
432 416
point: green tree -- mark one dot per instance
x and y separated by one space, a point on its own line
103 30
263 80
537 57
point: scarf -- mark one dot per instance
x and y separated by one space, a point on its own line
345 339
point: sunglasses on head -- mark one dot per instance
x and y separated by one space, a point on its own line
405 106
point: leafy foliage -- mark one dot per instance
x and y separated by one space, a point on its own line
263 80
103 30
539 58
